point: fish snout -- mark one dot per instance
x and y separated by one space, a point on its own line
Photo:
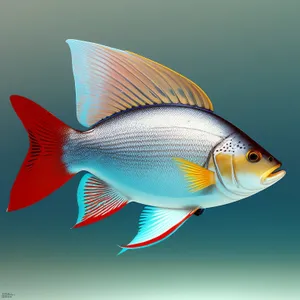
273 175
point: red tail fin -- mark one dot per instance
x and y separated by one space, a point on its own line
42 171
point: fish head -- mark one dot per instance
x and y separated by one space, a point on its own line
244 167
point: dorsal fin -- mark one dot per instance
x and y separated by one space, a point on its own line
109 80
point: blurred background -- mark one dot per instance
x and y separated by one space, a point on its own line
245 55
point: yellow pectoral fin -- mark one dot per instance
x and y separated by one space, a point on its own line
198 177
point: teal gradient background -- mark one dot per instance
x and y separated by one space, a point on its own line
245 55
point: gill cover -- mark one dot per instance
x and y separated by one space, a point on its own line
243 167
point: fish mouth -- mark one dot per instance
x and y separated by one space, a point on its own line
272 175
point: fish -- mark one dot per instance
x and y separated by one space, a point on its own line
151 137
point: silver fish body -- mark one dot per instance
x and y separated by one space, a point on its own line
133 152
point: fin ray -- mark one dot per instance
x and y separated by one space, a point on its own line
109 80
198 177
96 200
43 170
157 224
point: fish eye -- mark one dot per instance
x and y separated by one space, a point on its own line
253 156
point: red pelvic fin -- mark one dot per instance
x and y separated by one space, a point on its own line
42 171
97 200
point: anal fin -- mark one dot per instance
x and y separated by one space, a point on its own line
157 224
96 200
